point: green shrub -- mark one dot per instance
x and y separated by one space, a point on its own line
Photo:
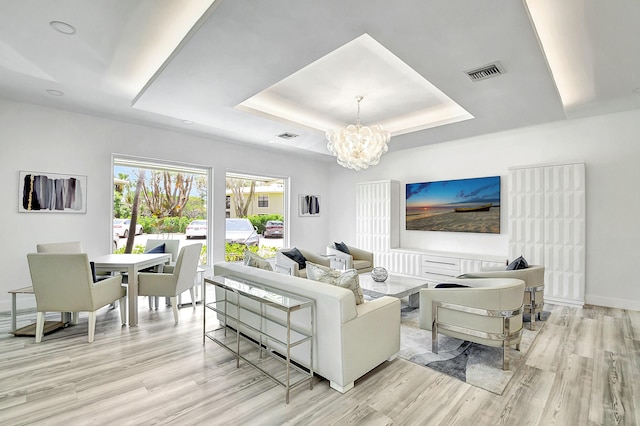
235 252
259 221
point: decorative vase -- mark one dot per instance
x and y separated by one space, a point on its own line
379 274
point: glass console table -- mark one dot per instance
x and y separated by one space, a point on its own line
254 320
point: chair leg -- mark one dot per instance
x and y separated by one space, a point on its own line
75 317
174 308
192 292
39 326
505 356
92 326
123 310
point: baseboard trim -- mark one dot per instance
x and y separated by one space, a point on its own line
612 302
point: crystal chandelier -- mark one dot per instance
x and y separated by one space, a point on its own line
358 147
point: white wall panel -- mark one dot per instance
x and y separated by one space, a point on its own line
547 226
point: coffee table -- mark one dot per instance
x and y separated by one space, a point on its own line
395 285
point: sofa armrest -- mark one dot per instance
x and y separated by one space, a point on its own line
340 256
286 265
317 258
359 254
372 337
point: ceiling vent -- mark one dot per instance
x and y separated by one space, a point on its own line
487 71
288 136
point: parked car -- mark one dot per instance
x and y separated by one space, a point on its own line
273 228
241 231
121 227
116 237
196 229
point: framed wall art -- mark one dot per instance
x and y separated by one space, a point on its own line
309 205
43 192
460 205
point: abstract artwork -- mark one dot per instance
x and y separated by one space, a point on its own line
462 205
52 193
309 205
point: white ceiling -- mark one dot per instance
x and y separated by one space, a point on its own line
161 62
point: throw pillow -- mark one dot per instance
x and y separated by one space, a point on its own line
342 247
295 255
450 285
252 259
156 249
519 263
346 279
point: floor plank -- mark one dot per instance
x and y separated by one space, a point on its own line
582 369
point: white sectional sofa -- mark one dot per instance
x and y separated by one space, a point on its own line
349 340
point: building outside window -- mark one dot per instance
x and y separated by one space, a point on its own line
263 201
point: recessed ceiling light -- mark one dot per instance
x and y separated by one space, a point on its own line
54 92
271 141
187 121
63 27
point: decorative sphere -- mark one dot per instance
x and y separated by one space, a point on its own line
379 274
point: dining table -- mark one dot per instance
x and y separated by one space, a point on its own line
131 264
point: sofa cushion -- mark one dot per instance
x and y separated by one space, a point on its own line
295 255
342 247
252 259
347 279
361 264
519 263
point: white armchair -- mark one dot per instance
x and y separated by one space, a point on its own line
489 312
358 259
172 284
63 282
533 278
286 265
170 246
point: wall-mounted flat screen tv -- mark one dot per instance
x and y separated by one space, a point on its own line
461 205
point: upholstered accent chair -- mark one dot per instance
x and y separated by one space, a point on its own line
489 312
289 266
179 279
358 259
63 282
533 278
66 247
169 246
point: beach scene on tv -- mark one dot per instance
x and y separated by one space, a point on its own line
461 205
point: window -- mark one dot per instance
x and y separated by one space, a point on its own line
170 196
255 200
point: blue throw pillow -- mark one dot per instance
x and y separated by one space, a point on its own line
519 263
156 249
295 255
342 247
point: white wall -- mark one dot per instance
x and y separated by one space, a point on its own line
42 139
610 147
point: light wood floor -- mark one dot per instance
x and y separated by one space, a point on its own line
584 369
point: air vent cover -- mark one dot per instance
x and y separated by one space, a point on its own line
487 71
288 135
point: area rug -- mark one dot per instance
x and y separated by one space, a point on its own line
475 364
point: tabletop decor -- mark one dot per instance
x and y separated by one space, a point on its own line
379 274
52 193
